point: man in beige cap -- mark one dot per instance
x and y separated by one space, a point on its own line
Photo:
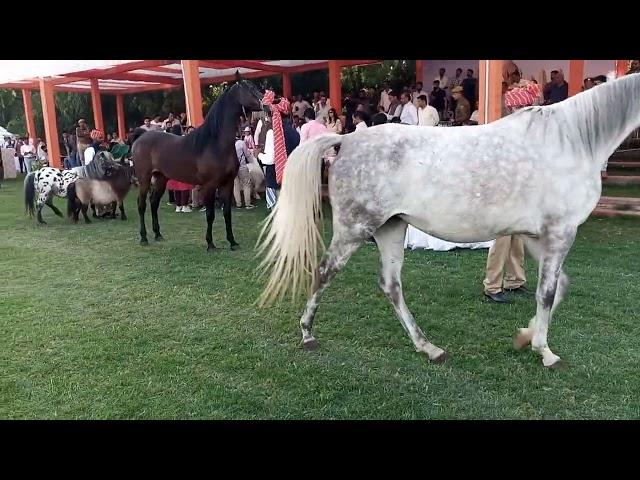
463 109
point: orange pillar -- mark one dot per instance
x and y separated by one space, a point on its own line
576 76
50 127
192 92
490 87
419 71
96 104
335 85
622 67
122 129
286 85
28 114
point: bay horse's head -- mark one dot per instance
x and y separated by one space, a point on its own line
247 95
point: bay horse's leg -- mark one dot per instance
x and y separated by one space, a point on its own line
50 204
226 192
159 186
335 258
209 197
552 248
123 216
142 206
390 241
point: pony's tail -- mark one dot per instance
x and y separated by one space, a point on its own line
72 199
29 194
290 236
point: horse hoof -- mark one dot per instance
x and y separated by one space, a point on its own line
159 238
87 221
440 359
144 242
235 246
310 345
521 340
123 218
558 365
211 248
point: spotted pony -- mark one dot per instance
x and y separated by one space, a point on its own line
46 183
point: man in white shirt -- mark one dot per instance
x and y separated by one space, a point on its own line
322 108
147 124
427 115
444 80
299 106
359 120
409 115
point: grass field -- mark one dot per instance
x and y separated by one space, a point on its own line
94 326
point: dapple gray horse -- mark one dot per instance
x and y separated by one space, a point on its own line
536 173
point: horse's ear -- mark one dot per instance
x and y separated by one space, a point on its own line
238 76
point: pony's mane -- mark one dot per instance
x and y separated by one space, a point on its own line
97 168
214 121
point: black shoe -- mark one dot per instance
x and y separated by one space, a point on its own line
499 297
520 289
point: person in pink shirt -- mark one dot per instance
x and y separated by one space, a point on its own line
313 127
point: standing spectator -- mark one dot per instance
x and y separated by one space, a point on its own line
463 109
146 125
299 106
181 190
419 91
470 87
19 145
333 122
385 102
183 120
409 115
427 115
41 152
28 151
395 107
312 128
457 80
437 98
443 80
634 67
559 89
322 108
243 181
83 138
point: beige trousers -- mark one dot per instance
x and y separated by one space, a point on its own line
506 252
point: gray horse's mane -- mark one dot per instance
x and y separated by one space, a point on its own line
594 116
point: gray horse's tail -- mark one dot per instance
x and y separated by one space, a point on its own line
291 236
29 194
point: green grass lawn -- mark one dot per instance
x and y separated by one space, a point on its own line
94 326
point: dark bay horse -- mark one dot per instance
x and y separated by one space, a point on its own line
205 157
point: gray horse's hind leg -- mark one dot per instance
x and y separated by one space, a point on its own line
550 250
334 259
390 239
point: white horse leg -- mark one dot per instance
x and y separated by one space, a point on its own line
524 335
390 239
44 196
551 250
334 259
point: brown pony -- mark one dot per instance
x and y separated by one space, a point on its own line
205 157
87 191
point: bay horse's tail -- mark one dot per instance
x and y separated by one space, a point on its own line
291 234
29 194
